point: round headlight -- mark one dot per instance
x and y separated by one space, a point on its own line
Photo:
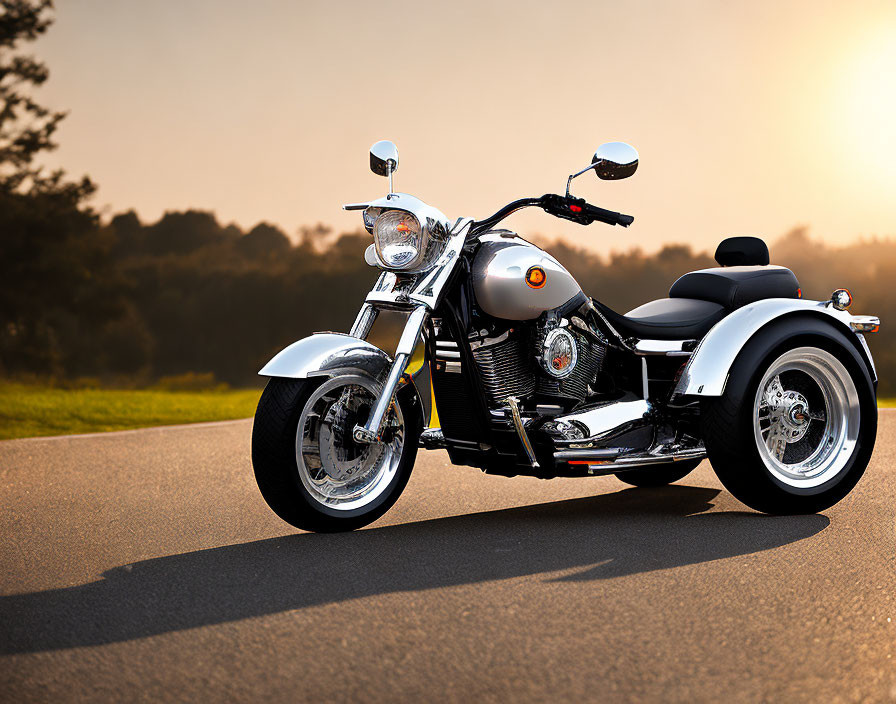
399 240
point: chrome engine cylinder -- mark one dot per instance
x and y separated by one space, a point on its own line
505 367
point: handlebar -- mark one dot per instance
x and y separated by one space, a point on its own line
574 209
578 210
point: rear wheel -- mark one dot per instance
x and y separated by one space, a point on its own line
658 476
794 435
309 468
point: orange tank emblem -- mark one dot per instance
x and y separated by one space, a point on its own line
536 277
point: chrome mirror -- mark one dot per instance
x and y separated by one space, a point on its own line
384 159
615 160
611 162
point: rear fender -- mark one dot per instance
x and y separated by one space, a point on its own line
328 354
706 373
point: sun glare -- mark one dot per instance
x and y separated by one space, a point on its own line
865 108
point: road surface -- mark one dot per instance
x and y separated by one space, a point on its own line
144 566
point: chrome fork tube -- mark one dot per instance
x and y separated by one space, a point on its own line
372 430
364 321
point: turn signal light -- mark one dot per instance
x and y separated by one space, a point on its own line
865 323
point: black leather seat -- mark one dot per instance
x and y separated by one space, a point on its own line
666 319
700 299
736 286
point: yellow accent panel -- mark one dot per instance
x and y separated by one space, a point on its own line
418 358
434 416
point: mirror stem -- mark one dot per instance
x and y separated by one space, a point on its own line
576 175
389 169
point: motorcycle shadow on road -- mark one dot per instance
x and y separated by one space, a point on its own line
601 537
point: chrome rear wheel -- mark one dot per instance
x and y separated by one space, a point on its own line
794 428
806 417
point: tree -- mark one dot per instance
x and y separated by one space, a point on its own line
60 289
26 127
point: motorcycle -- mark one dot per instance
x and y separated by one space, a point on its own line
530 376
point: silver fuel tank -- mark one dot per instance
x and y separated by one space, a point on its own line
515 280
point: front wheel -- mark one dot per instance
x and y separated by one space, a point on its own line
310 470
795 435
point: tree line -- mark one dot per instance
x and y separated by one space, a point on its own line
128 302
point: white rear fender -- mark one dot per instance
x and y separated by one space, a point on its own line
707 371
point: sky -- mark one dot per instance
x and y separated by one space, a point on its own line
751 118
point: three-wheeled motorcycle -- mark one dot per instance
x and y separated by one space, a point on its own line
531 376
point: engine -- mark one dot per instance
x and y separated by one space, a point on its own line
549 361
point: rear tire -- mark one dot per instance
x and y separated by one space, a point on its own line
658 476
284 486
796 425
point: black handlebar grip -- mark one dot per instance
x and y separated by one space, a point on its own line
610 217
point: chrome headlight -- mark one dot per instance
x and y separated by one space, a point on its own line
402 243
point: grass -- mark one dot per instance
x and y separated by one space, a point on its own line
27 411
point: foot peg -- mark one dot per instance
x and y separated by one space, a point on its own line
432 439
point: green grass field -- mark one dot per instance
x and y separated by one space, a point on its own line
27 411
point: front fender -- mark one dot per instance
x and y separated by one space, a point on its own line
326 354
706 373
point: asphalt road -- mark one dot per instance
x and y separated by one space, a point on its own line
144 566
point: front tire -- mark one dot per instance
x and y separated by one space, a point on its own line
796 425
308 467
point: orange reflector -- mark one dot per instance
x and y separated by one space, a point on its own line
535 277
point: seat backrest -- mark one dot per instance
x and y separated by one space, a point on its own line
742 251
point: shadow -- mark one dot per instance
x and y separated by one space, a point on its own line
631 531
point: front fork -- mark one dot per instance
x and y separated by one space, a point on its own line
372 431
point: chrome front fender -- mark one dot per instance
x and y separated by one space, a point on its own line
707 371
326 354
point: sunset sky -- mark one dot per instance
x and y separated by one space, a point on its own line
750 117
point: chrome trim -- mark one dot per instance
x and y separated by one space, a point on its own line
638 461
499 279
423 288
606 453
327 354
384 159
441 225
841 299
545 356
782 417
372 430
668 348
521 431
867 350
707 371
433 439
365 320
429 289
583 428
865 323
612 161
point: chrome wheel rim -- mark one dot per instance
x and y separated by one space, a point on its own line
335 470
806 417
